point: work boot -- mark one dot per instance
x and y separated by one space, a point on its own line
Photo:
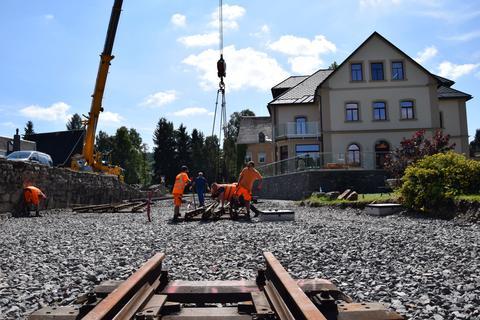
176 214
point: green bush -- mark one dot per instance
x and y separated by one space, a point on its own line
435 180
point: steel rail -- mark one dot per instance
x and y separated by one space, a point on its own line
116 301
301 307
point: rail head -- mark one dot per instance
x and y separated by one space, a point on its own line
297 301
115 300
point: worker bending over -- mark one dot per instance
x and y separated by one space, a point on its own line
32 197
181 182
223 192
247 178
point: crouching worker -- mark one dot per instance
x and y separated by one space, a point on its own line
32 197
181 181
223 192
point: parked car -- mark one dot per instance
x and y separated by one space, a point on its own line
31 156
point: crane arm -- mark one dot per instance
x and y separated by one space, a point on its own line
97 97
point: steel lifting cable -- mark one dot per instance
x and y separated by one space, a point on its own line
221 72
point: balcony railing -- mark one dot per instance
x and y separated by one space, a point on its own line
298 130
324 161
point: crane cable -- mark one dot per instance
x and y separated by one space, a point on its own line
221 73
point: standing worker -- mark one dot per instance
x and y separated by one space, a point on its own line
201 185
181 181
32 196
247 178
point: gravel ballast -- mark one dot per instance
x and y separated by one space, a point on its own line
422 268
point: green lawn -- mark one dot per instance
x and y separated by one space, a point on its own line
362 199
469 197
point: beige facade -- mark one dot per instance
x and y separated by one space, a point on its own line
358 112
260 153
373 100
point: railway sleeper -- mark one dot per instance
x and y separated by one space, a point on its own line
148 294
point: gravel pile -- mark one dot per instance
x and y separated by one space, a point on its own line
424 269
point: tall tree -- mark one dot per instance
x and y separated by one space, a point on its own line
333 66
104 143
126 155
75 122
475 144
211 152
164 152
183 151
28 129
234 154
199 160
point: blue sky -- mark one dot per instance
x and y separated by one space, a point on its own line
166 53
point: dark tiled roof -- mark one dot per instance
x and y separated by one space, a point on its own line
450 93
290 82
250 127
304 91
444 81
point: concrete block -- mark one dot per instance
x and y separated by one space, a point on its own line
277 215
382 209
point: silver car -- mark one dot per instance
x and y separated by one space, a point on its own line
31 156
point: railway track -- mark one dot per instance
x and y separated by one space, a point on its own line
148 294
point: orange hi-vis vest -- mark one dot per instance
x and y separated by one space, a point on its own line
181 181
32 195
229 191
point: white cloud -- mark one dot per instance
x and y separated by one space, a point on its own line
426 54
192 111
246 68
264 31
305 65
160 98
455 71
231 13
56 112
108 116
200 40
304 53
295 46
451 16
178 20
465 36
49 17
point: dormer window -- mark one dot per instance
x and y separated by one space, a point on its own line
357 73
397 70
377 71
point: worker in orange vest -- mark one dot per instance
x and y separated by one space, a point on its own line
32 197
247 178
223 192
181 182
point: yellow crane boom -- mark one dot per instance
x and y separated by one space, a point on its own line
90 159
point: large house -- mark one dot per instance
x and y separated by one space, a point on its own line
353 115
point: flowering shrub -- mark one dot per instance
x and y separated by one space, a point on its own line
413 149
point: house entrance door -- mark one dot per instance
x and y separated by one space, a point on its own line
382 148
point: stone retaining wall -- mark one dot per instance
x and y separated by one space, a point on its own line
63 187
295 186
